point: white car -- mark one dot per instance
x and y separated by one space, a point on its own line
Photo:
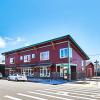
1 75
17 77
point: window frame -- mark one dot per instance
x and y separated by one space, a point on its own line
64 53
21 57
44 72
33 55
12 61
47 53
27 58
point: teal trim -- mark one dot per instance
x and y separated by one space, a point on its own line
69 37
79 48
66 64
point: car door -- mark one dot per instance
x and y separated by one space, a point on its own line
12 77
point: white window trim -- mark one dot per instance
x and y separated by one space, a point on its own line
26 71
61 71
82 63
65 56
33 56
46 74
27 58
61 51
11 60
21 57
46 58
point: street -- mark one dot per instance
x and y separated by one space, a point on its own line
10 90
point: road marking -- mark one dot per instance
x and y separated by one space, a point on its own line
75 91
77 94
50 95
67 94
12 98
29 96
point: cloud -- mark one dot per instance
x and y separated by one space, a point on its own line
18 40
2 43
27 43
14 41
8 39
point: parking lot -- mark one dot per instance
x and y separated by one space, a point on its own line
10 90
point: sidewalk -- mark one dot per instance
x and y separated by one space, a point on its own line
85 83
47 81
56 82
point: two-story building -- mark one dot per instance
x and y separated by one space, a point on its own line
57 58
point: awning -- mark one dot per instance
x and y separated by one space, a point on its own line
36 65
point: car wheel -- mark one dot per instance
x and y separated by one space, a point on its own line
8 79
16 79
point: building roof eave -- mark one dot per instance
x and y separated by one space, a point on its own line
86 56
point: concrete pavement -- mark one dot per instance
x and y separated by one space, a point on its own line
10 90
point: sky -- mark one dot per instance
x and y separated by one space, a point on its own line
26 22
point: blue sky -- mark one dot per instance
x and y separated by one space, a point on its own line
25 22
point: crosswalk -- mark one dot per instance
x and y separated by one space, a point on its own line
58 93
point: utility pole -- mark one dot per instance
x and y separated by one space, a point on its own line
96 62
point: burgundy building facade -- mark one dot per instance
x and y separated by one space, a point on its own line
57 58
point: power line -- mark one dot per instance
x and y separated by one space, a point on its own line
95 55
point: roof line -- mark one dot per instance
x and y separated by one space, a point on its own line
79 47
40 43
47 42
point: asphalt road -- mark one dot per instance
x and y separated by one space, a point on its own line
10 90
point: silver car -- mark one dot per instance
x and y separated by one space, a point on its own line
17 77
1 75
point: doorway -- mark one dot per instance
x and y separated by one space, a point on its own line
73 72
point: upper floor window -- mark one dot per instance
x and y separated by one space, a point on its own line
33 56
11 60
27 58
21 57
82 63
64 52
44 55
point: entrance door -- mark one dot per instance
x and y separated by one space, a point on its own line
89 72
73 72
65 73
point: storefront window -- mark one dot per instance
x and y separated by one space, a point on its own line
27 71
44 72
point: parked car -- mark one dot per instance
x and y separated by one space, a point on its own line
17 77
1 75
